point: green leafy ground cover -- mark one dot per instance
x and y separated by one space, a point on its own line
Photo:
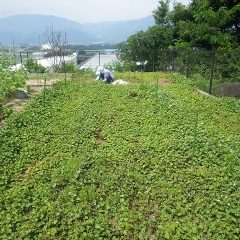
142 161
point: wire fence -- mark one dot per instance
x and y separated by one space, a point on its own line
215 72
88 59
208 70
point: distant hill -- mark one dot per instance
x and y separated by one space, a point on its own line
112 32
26 29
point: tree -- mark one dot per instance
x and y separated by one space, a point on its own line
161 13
56 44
142 47
207 24
134 49
203 24
180 13
214 24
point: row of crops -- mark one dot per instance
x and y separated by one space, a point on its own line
150 160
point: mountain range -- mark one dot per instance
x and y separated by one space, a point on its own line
31 29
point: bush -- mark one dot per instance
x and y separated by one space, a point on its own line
10 80
121 66
69 67
33 67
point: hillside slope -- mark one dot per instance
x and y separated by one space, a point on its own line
94 161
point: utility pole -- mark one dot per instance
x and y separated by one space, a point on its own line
14 52
65 39
39 42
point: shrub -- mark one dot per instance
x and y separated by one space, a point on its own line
33 67
69 67
10 80
121 66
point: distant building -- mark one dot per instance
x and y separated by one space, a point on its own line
46 46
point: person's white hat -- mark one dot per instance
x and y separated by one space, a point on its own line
99 70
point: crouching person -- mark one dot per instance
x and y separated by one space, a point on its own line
105 75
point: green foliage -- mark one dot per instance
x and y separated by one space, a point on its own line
68 67
209 24
32 66
121 66
10 80
228 66
6 112
180 13
161 13
95 161
1 111
202 25
143 46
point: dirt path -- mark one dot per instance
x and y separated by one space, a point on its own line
34 88
38 85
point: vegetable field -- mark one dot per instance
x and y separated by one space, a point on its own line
142 161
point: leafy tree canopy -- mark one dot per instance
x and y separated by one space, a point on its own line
203 24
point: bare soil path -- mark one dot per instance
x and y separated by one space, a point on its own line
34 87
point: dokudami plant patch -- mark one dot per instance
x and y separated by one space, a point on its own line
141 161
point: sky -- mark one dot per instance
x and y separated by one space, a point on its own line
83 11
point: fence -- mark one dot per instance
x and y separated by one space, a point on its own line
206 69
47 61
89 59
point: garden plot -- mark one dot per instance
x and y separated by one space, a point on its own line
142 161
